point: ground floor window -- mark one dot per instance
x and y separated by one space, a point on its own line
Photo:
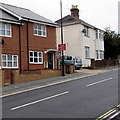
9 61
87 52
36 57
99 54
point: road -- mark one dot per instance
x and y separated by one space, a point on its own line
87 97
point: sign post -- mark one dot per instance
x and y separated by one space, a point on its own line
63 74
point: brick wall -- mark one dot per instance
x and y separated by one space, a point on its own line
11 45
14 77
29 42
96 64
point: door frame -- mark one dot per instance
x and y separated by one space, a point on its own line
53 59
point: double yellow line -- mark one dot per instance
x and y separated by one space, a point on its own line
107 114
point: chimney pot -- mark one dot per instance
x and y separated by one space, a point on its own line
75 11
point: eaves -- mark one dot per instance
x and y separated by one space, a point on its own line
10 21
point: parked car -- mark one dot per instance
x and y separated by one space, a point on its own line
78 63
72 60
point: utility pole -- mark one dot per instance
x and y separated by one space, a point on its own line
63 74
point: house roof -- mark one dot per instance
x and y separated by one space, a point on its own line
22 13
69 20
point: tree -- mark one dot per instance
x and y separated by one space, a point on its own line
112 44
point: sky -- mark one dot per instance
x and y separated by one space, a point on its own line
99 13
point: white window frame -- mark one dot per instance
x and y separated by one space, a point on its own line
99 34
87 52
40 28
5 29
87 31
7 61
38 57
99 54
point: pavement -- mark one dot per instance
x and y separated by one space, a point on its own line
28 86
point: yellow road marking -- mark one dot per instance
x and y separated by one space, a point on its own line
105 114
109 114
118 105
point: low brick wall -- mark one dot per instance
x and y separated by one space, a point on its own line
96 64
6 77
14 77
68 69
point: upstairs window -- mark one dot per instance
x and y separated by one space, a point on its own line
99 35
40 30
36 57
86 31
5 29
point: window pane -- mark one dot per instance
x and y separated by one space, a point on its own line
8 26
35 32
43 27
9 64
39 27
40 59
40 54
31 53
3 26
3 32
35 26
3 57
8 33
15 64
35 54
15 58
4 64
35 60
44 33
10 57
31 59
39 33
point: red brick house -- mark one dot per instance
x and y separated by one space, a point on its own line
28 40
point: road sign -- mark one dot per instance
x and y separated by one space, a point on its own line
61 47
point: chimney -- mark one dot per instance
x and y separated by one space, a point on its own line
75 11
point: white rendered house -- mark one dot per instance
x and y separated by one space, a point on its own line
82 39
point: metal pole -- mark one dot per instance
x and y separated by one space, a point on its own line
63 74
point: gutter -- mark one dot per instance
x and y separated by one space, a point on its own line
9 21
41 22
